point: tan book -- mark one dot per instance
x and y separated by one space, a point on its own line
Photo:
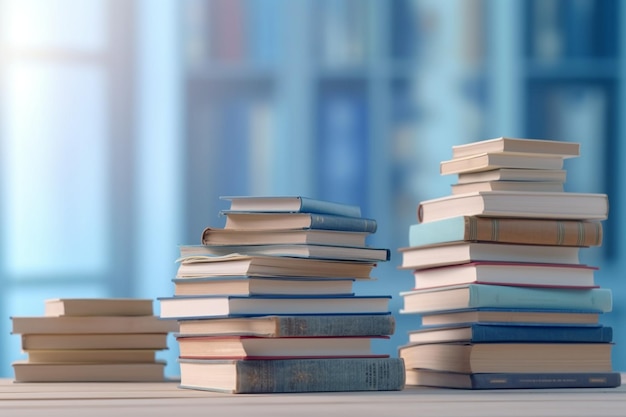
98 307
490 161
518 146
511 316
535 186
94 341
92 355
216 236
88 372
91 324
514 174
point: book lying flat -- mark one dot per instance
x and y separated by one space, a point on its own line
499 296
293 375
518 146
253 347
508 357
44 341
507 273
513 174
533 186
224 306
507 230
303 250
92 355
88 372
290 204
286 221
490 161
91 324
507 315
429 378
565 205
220 236
460 252
98 307
250 285
293 326
523 332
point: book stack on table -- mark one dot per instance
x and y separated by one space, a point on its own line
92 340
266 304
504 300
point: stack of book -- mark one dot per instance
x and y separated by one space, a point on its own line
504 299
92 340
266 304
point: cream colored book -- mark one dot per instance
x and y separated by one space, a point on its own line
92 355
98 307
88 372
91 324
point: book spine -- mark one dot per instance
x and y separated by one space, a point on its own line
548 380
348 325
598 299
320 375
308 205
540 334
345 223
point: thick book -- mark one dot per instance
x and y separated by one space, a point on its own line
507 230
88 372
509 315
91 355
91 324
565 205
221 236
521 332
514 174
288 221
43 341
518 146
301 250
461 252
499 296
290 204
507 273
98 307
533 186
255 347
266 265
429 378
490 161
224 306
293 326
508 357
250 285
293 375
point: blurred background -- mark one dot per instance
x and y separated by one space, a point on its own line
122 122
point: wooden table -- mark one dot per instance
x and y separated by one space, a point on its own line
166 399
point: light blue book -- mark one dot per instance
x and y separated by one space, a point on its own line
290 204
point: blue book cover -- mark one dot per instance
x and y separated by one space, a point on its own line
314 221
290 204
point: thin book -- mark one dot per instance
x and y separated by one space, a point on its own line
521 146
290 204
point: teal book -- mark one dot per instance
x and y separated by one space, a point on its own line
290 204
499 296
289 221
293 375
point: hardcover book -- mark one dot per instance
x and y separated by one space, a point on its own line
98 307
290 204
514 174
533 186
88 372
43 341
508 315
91 324
490 161
289 221
220 236
518 146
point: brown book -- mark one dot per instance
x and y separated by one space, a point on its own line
507 230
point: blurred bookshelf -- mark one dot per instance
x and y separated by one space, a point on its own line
359 101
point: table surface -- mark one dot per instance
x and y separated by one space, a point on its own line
167 399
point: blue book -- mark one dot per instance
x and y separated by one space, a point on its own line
180 307
290 204
499 296
499 332
429 378
290 221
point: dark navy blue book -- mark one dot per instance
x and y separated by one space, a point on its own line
519 332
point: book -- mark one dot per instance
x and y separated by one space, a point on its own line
180 307
507 230
533 186
91 324
254 347
98 307
507 315
88 372
293 375
508 357
286 221
460 252
265 265
510 380
290 204
301 250
92 355
507 273
220 236
490 161
513 174
499 296
565 205
43 341
293 326
518 146
521 332
251 285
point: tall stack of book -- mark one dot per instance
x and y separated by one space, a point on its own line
266 304
92 340
504 299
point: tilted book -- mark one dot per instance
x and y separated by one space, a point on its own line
490 161
290 204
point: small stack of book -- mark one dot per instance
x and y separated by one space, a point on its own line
504 300
266 304
92 340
